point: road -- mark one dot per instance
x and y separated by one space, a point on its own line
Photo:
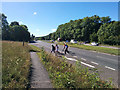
106 64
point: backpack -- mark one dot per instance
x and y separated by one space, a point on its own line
66 46
53 47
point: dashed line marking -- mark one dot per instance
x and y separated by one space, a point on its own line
105 53
87 65
75 56
93 51
109 68
83 59
72 59
61 51
94 63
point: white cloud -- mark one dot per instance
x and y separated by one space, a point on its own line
40 35
43 35
53 30
35 13
37 30
21 22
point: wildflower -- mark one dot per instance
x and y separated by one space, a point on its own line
68 82
57 66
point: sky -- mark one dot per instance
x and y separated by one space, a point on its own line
43 18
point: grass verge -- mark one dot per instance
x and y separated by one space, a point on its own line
15 64
65 75
94 48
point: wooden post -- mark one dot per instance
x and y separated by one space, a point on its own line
23 42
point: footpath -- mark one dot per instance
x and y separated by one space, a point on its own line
39 76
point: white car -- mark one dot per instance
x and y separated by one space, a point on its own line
72 41
94 44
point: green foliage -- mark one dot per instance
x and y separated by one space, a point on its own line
14 23
32 37
94 37
15 65
19 33
65 75
5 28
93 28
109 33
105 19
14 31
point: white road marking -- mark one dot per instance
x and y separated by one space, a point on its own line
83 59
87 65
109 68
72 59
93 51
61 51
75 56
105 53
113 55
94 63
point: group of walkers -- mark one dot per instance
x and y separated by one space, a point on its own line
56 48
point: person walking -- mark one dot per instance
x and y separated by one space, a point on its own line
57 48
65 48
53 49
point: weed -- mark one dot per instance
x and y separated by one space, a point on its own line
15 64
65 75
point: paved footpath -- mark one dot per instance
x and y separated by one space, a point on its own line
39 77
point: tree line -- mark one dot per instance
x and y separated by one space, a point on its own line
14 31
94 28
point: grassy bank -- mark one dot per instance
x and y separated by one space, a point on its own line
65 75
15 64
94 48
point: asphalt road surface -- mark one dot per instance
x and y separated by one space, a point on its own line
106 64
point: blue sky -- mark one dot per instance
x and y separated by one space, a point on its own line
43 18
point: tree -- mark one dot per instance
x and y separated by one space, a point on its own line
19 33
93 28
32 37
105 19
109 33
14 31
94 37
5 28
14 23
0 26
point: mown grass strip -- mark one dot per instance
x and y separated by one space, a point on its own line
15 64
65 75
98 49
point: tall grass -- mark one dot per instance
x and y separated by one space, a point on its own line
65 75
15 64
